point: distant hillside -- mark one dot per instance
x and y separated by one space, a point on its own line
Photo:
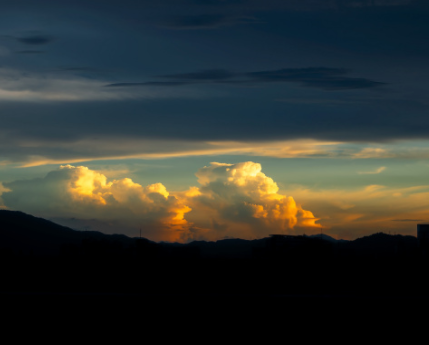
383 244
326 238
26 234
23 233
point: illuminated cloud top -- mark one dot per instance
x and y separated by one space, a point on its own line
233 200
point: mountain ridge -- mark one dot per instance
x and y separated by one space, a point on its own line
25 233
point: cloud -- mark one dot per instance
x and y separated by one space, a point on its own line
30 151
231 200
149 83
33 143
312 77
37 39
377 171
239 200
83 193
407 220
34 152
3 189
373 209
210 74
372 152
24 86
235 200
30 52
205 21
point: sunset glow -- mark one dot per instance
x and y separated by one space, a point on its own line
207 120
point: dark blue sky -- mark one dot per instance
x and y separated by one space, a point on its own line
213 70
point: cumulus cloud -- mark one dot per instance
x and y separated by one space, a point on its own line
83 193
239 200
2 190
233 200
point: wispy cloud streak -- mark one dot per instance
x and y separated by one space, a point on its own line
377 171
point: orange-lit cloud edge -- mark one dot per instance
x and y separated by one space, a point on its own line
138 149
164 149
233 200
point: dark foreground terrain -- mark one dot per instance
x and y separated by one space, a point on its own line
41 258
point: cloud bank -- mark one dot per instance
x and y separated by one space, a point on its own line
356 212
83 193
2 190
233 200
311 77
239 200
23 86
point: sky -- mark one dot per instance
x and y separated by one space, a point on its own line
212 119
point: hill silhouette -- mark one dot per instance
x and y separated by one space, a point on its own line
26 234
44 256
381 244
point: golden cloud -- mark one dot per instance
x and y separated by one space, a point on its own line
366 210
234 200
2 190
245 202
135 149
83 193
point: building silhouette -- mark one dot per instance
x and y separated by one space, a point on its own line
423 238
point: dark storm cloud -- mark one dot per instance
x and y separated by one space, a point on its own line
79 69
379 40
211 75
70 131
302 5
205 119
35 39
195 13
319 78
30 52
299 74
341 83
149 83
205 21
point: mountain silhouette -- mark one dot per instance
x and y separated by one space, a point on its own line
26 234
326 238
44 256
